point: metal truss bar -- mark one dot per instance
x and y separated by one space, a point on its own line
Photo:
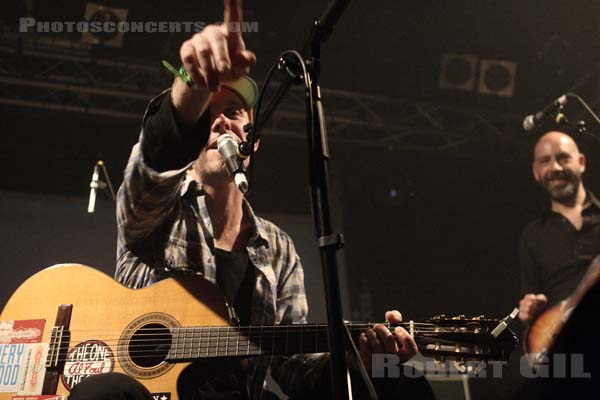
74 88
64 107
63 76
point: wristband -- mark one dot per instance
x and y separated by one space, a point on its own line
181 74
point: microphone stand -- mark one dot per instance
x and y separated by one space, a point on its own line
97 184
328 242
111 189
580 125
299 68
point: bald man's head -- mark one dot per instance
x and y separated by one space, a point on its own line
558 166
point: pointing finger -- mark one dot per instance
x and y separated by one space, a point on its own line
233 17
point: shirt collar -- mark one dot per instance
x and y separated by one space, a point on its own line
594 202
593 199
259 229
187 182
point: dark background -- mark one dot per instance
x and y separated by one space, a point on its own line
445 242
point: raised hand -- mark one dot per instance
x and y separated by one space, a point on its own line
218 53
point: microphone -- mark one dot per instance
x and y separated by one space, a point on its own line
228 148
532 121
93 186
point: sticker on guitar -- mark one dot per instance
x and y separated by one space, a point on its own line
21 355
26 331
88 358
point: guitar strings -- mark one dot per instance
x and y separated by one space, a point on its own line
212 333
223 340
313 325
297 327
249 346
232 332
208 341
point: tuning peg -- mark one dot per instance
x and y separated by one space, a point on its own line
440 362
460 366
472 368
477 367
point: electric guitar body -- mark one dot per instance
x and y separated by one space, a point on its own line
541 334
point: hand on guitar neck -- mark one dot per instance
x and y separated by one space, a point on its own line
530 307
380 339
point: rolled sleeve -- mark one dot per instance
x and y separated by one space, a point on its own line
146 198
166 144
156 168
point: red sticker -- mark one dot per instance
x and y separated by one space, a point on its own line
22 331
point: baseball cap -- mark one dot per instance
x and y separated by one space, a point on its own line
246 88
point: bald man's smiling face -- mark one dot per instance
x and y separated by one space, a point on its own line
558 166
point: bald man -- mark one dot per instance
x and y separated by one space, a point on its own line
557 248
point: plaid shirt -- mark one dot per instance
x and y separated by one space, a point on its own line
164 229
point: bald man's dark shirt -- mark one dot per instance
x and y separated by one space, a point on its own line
555 256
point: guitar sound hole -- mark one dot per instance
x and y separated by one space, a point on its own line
150 345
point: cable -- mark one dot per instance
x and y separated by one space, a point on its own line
279 64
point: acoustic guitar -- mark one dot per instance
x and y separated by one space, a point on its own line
541 334
70 321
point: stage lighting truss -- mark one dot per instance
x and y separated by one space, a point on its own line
65 77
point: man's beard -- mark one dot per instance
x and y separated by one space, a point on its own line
209 168
564 193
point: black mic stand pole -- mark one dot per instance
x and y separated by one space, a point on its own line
328 242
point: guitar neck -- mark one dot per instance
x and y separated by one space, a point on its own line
590 278
189 343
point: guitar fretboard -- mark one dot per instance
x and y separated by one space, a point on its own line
204 342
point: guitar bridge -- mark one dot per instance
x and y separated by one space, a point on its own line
57 348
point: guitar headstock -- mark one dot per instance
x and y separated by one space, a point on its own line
464 339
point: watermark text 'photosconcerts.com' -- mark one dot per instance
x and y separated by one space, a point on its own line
32 25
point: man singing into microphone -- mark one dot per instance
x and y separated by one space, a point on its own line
557 248
179 212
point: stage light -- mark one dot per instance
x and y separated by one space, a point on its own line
96 13
497 77
458 71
